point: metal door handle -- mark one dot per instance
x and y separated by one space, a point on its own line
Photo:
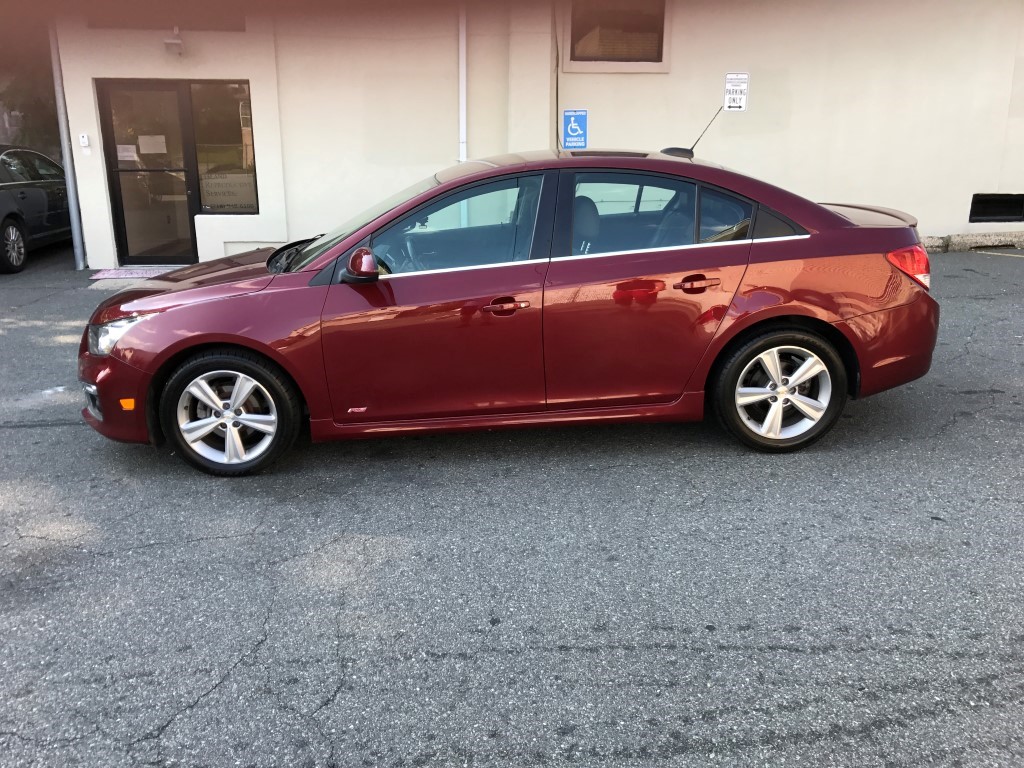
506 306
697 283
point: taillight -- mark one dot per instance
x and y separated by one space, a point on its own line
913 261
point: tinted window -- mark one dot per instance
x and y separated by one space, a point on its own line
723 217
627 212
41 166
17 169
486 224
768 224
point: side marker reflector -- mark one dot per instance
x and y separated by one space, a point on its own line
127 403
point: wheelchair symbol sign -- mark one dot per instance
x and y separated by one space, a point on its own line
574 129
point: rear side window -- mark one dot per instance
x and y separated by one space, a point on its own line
723 217
769 224
619 211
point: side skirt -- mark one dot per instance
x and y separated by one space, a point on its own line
689 407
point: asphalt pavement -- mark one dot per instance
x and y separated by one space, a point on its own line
596 596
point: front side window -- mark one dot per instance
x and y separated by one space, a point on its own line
490 223
626 212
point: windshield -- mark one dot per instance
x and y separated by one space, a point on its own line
324 243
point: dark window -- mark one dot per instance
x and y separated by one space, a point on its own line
43 168
768 224
723 217
222 121
627 212
18 170
617 30
487 224
997 208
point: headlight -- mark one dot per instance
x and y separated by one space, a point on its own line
102 338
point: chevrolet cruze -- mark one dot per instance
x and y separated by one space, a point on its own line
542 288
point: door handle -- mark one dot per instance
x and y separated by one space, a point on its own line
696 283
22 195
508 306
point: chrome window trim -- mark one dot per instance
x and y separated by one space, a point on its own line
595 255
463 269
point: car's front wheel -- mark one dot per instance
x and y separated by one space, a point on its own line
781 391
13 248
230 413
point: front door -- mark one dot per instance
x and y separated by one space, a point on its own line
453 326
151 170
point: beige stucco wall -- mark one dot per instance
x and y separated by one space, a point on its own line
913 105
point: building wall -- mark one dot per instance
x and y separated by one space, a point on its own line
913 105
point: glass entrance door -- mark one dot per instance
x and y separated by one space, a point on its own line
151 167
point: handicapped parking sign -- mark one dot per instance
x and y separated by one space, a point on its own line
574 128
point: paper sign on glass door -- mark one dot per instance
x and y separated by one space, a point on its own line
152 145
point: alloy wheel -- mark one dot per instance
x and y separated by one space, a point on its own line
783 392
14 245
227 417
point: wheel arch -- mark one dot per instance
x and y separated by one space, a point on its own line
171 363
844 347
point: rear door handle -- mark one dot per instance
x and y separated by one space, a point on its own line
696 283
22 195
505 306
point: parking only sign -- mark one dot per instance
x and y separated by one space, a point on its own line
736 84
574 128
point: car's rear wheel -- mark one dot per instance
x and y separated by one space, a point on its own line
781 391
13 248
230 413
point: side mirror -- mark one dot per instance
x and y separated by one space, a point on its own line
362 267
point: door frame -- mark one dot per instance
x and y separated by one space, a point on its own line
188 147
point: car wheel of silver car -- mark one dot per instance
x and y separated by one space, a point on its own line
13 248
230 413
781 391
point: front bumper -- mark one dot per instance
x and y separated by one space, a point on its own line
109 384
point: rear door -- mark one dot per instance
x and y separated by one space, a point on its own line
453 329
643 269
50 178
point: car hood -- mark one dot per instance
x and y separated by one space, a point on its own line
230 276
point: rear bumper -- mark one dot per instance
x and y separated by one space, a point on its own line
106 382
895 345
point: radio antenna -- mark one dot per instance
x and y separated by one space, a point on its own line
706 128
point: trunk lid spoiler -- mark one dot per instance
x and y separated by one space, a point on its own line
871 215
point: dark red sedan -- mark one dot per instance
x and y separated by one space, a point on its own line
540 288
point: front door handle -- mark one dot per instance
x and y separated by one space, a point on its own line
505 306
696 283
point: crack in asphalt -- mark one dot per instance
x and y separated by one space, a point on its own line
156 734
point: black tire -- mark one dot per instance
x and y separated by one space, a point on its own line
274 397
795 427
13 246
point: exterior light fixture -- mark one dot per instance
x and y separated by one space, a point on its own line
174 43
